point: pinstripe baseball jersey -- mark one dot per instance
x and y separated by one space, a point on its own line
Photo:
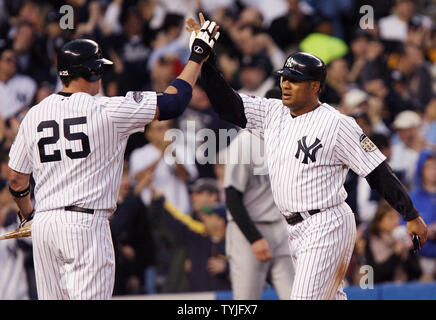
309 155
73 145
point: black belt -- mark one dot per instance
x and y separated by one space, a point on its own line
78 209
296 217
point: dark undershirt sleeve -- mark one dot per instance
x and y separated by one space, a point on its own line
226 102
392 190
240 214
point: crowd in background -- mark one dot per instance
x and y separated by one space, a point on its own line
169 228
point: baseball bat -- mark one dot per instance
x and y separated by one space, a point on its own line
23 232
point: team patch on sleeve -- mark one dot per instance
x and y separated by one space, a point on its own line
367 144
138 96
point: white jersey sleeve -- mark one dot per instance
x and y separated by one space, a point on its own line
132 112
354 149
256 111
19 159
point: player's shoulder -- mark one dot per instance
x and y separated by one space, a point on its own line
334 114
37 108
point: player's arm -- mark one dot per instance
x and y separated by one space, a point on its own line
242 219
174 100
20 169
393 191
19 187
226 102
359 153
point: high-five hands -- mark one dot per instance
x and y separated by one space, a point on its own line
202 41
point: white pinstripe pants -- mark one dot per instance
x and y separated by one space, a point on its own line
321 248
73 255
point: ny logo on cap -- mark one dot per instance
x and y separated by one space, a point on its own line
290 62
309 151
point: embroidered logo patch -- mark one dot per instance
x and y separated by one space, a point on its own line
137 96
198 49
367 144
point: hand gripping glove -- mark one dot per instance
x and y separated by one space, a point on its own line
202 43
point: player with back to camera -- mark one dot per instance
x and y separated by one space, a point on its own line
73 143
310 147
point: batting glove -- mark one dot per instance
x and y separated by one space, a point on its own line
28 220
202 43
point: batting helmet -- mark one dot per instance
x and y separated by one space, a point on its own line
81 58
304 66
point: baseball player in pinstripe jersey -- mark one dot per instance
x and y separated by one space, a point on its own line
73 144
310 147
256 241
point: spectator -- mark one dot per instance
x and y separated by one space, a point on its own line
395 27
388 248
333 10
356 57
424 199
254 75
430 124
133 243
354 100
172 178
16 90
405 150
28 48
337 82
169 41
131 55
269 10
289 29
203 237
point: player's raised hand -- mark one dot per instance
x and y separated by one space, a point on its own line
192 25
206 31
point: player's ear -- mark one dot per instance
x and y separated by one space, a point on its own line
280 82
316 86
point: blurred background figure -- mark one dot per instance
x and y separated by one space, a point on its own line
133 242
407 145
16 90
172 179
423 196
202 235
387 248
17 278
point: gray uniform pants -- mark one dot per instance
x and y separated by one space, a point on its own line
248 274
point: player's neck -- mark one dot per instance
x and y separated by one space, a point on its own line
310 107
79 85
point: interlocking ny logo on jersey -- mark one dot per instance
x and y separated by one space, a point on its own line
308 151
